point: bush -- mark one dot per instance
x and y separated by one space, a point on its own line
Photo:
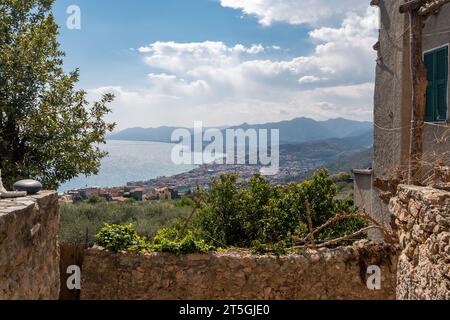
117 238
95 199
258 214
166 240
184 202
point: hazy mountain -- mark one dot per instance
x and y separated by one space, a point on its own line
294 131
329 150
347 162
161 134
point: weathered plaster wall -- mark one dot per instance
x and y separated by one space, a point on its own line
423 217
390 103
393 96
29 256
393 88
363 188
389 87
323 274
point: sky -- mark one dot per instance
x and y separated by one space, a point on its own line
224 62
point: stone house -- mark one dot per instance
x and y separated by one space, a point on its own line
164 193
393 104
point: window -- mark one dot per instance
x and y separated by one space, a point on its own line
436 62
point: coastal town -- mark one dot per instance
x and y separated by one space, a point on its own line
297 162
174 187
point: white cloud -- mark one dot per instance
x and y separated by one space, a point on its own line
230 84
310 79
311 12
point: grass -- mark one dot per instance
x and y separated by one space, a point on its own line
81 222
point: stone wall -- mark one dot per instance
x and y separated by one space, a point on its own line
29 256
423 217
323 274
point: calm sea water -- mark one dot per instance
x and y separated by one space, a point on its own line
130 161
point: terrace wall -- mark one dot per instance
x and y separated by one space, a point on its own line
423 217
29 255
322 274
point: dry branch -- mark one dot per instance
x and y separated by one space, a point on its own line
334 241
310 224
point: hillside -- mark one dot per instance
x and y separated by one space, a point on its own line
294 131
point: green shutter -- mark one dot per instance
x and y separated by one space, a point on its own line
441 83
437 74
430 107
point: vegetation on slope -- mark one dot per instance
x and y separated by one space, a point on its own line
257 215
81 222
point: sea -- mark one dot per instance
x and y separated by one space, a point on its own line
130 161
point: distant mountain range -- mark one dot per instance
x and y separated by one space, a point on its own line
299 130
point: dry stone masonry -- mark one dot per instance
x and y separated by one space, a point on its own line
29 255
423 217
323 274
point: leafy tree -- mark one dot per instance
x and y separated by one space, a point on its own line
256 214
48 130
221 218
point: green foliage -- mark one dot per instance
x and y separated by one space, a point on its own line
130 201
95 199
80 222
233 213
166 240
340 177
118 238
48 130
262 216
124 238
184 202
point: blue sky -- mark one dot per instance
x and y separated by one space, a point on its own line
111 27
173 62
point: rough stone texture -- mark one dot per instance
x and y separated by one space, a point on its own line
323 274
423 217
29 255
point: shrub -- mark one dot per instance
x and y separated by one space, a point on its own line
166 240
95 199
184 202
117 238
260 215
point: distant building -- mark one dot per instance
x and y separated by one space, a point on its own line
130 188
164 193
106 195
120 199
137 194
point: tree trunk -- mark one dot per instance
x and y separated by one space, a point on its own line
419 83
